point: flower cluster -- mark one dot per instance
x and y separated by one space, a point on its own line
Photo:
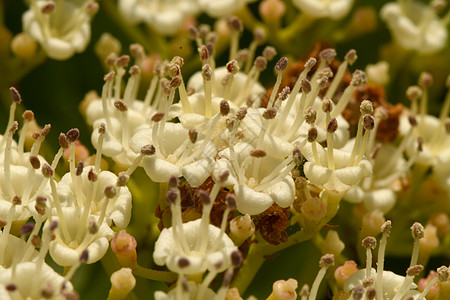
233 146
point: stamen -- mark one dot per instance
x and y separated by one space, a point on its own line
350 58
207 76
232 68
413 93
385 230
304 292
325 261
369 244
146 150
28 116
131 88
417 232
358 79
7 159
236 28
410 274
279 68
123 109
120 63
259 37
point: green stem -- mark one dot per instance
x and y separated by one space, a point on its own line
156 275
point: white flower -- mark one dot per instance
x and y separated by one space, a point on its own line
221 8
378 73
377 190
167 253
166 16
192 287
344 175
258 182
175 154
73 237
35 279
415 26
24 184
62 29
391 283
85 192
333 9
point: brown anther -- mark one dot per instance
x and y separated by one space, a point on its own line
235 24
312 134
231 201
414 270
260 63
259 35
327 105
204 197
420 144
15 95
122 179
332 126
281 64
120 105
269 113
327 55
368 122
310 63
183 262
236 258
72 135
122 61
93 227
310 116
14 127
242 112
425 80
175 82
358 292
28 115
284 93
207 72
417 231
306 86
92 176
80 167
386 227
157 116
134 70
297 156
17 200
358 78
224 176
26 228
109 76
48 7
63 143
137 51
412 120
36 241
84 256
148 150
204 54
258 153
110 191
413 92
47 171
369 242
351 56
326 261
269 53
224 108
35 162
232 67
173 182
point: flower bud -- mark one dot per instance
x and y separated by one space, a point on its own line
124 247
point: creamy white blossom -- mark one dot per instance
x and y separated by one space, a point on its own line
415 26
333 9
165 16
62 28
